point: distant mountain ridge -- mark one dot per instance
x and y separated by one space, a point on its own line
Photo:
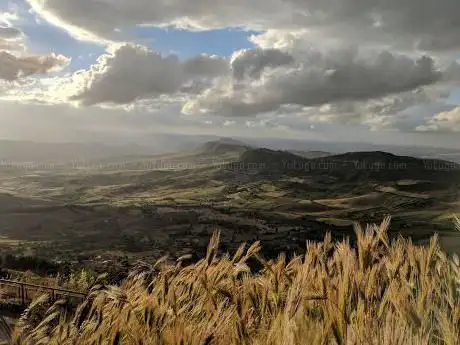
223 145
385 159
349 167
357 163
251 152
262 154
311 154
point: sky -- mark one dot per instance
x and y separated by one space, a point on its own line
342 70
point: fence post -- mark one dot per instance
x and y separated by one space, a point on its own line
23 294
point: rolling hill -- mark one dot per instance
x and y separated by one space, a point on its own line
151 205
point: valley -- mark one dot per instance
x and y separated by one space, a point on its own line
129 207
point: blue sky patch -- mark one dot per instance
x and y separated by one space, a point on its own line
45 39
187 44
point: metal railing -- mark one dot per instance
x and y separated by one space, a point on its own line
22 294
25 292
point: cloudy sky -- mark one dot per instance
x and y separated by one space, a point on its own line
91 70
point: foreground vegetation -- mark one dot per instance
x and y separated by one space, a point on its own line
377 292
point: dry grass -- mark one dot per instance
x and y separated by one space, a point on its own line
378 293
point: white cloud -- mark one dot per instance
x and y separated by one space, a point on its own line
250 63
448 121
9 33
338 86
313 80
427 24
7 18
316 60
13 67
127 73
400 112
16 67
11 46
95 20
11 38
